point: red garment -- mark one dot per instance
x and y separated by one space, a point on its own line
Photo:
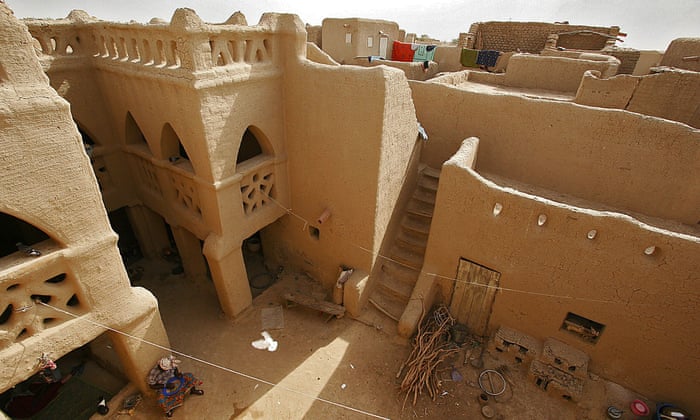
402 51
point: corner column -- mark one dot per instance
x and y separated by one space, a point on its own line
190 251
230 279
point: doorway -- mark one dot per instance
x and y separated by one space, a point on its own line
260 277
473 296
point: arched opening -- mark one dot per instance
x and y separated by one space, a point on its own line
250 145
171 145
18 235
134 135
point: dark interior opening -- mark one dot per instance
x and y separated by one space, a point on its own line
16 231
71 391
584 328
260 277
128 244
250 147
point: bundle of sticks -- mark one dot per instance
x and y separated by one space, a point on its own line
431 347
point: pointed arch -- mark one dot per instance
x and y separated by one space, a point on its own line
133 134
171 144
253 143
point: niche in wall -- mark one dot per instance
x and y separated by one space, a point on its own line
584 328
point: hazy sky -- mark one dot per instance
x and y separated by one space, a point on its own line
650 24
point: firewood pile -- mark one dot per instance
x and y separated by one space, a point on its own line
431 346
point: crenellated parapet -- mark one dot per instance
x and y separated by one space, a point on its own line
186 44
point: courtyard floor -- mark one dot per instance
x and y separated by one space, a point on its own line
327 368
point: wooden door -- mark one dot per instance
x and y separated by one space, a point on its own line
475 291
383 43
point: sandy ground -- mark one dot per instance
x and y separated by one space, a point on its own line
327 368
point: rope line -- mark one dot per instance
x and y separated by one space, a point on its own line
457 280
214 365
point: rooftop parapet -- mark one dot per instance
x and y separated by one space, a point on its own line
185 44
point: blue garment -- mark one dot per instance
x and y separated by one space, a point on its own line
487 58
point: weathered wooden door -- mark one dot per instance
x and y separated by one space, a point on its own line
473 296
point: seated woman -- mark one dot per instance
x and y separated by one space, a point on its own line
172 385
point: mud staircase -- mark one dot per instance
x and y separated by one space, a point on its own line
399 272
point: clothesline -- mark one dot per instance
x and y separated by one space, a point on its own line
212 364
457 280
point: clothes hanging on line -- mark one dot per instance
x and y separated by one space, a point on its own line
468 57
487 58
404 51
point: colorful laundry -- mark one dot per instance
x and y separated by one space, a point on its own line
487 58
404 51
468 57
424 52
401 51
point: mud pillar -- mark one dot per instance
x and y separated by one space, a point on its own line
231 280
190 251
136 357
149 228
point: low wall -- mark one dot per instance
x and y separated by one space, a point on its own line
614 92
680 54
412 70
448 58
317 55
646 303
553 73
618 159
672 95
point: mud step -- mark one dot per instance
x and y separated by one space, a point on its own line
420 208
407 257
424 195
413 243
419 224
395 289
431 172
390 307
400 272
429 183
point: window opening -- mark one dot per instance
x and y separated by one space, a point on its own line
584 328
134 135
250 147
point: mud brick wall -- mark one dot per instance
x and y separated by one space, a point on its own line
628 59
531 36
